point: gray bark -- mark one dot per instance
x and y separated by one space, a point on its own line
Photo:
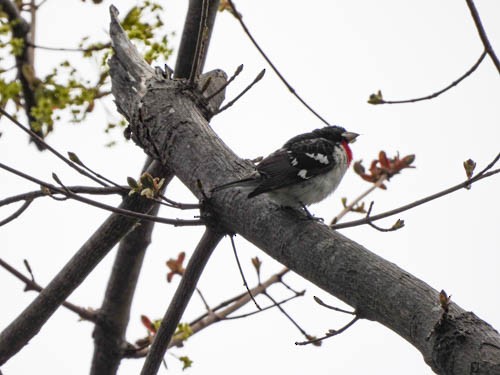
168 120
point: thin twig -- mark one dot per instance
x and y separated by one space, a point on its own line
257 79
398 225
482 34
75 159
128 213
202 297
241 271
479 176
75 189
321 303
282 302
331 333
205 320
436 94
18 212
180 206
40 140
65 49
349 207
282 310
84 313
235 74
273 67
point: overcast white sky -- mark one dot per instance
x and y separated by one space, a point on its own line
334 54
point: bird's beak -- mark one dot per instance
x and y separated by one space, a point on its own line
349 136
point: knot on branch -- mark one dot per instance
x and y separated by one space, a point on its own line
154 103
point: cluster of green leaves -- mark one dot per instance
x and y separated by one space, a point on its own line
10 89
64 90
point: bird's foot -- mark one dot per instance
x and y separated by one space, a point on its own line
310 216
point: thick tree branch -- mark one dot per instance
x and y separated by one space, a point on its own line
182 295
29 322
328 259
115 311
114 314
187 49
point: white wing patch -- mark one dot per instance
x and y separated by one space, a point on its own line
323 159
294 162
303 174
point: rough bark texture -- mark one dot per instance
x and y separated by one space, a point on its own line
168 120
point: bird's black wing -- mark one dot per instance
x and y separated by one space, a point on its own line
298 162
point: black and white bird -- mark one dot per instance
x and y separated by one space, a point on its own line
306 170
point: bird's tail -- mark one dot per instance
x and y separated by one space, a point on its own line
247 181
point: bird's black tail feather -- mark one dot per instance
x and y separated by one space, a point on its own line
249 181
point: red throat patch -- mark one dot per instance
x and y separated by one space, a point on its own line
348 151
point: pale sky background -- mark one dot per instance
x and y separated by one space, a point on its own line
334 54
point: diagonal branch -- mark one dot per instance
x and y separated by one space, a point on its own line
375 99
29 322
273 67
85 314
482 33
182 295
187 49
462 185
115 310
114 313
325 257
218 315
75 189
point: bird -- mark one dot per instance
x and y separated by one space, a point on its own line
305 170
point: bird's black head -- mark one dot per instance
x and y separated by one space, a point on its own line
335 134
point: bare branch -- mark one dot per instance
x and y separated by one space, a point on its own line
18 212
349 207
66 49
288 316
257 79
132 214
219 314
30 321
114 313
45 145
479 176
46 191
377 99
200 43
482 33
187 48
330 333
273 67
83 313
320 302
182 295
241 272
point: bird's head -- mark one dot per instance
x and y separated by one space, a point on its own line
336 134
